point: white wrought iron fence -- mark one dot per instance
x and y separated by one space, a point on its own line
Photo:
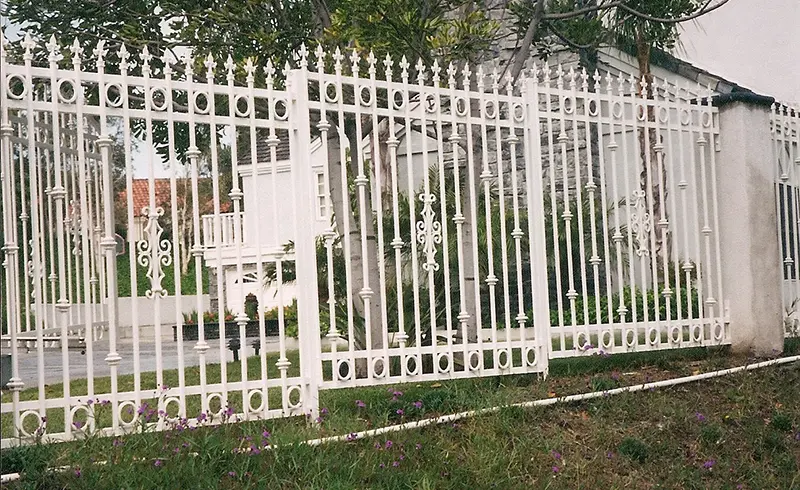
633 248
435 222
785 121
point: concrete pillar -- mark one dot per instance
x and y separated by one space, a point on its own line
751 259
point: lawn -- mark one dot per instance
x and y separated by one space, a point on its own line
739 431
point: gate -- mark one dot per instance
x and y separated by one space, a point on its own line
432 261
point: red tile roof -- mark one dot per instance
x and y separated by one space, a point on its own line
141 197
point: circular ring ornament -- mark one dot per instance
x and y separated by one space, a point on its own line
447 363
24 416
474 360
348 371
331 96
21 83
365 101
291 392
518 112
504 359
530 356
607 339
86 428
617 109
258 408
378 367
489 109
675 334
60 87
196 105
237 105
164 102
281 103
416 367
127 408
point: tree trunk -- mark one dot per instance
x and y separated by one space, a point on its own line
342 211
650 168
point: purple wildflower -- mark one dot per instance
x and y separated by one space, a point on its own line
117 442
418 404
158 463
396 464
381 465
609 455
709 464
232 474
797 437
78 473
352 436
324 411
77 424
89 402
202 417
402 457
556 469
418 446
400 412
266 434
396 395
360 404
377 445
556 454
700 417
389 444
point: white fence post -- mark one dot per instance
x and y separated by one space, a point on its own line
536 226
750 258
305 246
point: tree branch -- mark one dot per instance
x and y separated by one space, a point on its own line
650 18
530 33
579 12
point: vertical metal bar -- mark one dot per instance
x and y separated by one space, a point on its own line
307 301
440 156
177 239
377 165
536 231
10 246
108 242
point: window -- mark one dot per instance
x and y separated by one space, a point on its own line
322 197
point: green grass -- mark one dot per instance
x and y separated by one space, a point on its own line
737 430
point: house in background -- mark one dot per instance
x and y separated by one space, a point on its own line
267 219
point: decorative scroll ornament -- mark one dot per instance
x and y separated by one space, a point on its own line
74 222
154 259
429 232
641 223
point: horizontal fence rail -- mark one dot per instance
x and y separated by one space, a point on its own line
785 122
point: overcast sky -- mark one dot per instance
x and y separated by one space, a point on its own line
755 43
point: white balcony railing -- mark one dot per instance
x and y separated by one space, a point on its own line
228 235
